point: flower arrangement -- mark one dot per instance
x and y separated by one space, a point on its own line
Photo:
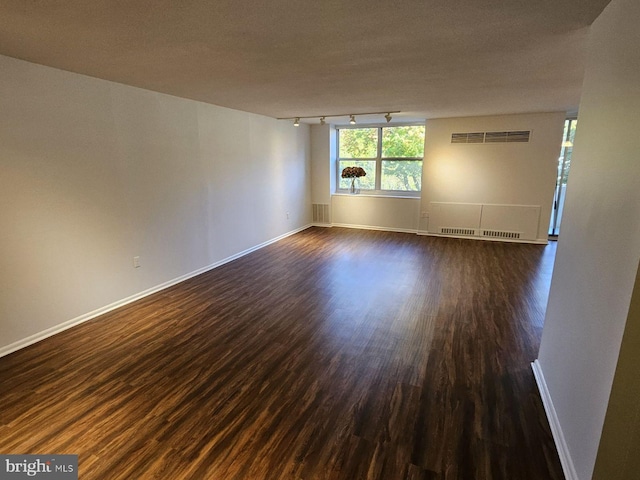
353 172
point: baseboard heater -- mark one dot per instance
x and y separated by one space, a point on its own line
490 221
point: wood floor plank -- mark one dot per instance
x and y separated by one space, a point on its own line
332 354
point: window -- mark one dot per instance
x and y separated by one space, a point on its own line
391 156
564 164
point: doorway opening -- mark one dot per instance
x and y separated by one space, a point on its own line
564 165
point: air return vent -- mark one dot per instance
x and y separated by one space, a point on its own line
507 137
321 213
519 136
467 137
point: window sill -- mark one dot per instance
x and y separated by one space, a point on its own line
375 195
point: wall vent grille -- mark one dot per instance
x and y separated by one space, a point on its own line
457 231
500 234
321 213
467 137
517 136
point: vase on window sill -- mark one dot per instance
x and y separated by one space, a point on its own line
355 186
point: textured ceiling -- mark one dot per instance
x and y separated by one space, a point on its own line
286 58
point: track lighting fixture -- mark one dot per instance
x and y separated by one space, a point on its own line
352 117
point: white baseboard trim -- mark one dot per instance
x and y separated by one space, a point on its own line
556 430
30 340
484 239
369 227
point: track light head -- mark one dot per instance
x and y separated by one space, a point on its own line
322 120
352 119
388 117
296 122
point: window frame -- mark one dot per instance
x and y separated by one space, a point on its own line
377 191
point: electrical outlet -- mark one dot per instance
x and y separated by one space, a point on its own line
425 215
136 262
287 214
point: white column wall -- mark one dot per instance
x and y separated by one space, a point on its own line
599 246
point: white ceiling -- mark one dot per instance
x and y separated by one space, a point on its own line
286 58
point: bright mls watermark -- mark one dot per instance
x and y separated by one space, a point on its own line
49 467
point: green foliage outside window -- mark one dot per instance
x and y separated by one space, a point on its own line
405 175
359 143
566 152
402 142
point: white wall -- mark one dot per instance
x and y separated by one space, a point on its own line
366 211
322 161
511 174
93 173
599 246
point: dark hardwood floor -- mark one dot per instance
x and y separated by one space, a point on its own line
332 354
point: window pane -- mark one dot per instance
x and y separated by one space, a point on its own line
567 151
358 143
367 182
400 142
405 175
